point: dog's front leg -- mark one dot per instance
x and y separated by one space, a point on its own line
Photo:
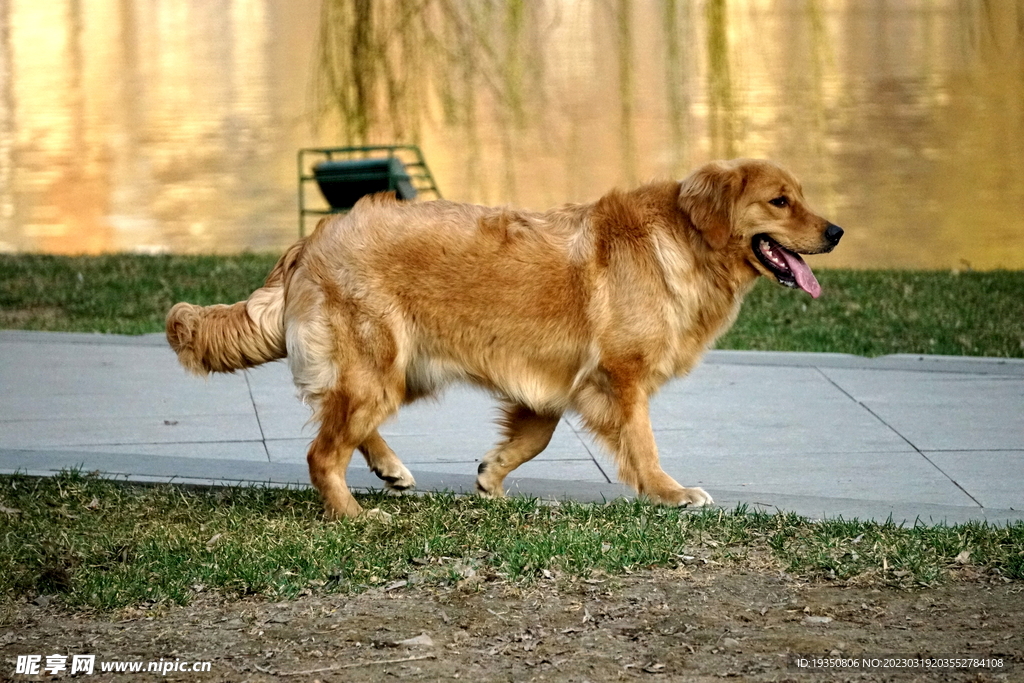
385 464
625 426
527 433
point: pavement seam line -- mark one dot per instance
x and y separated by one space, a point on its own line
256 412
583 443
905 439
922 454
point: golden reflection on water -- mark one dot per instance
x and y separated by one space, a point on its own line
157 125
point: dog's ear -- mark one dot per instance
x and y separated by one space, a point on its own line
707 195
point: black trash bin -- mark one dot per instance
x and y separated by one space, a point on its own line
344 182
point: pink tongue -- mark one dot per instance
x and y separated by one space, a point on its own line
802 272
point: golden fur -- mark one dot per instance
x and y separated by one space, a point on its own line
588 307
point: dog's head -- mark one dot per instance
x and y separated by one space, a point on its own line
756 209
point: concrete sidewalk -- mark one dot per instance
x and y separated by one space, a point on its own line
914 437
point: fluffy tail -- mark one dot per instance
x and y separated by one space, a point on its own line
225 338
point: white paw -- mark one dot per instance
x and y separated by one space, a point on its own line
484 492
398 479
695 498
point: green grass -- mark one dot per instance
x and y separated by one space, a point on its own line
99 544
873 313
868 313
121 294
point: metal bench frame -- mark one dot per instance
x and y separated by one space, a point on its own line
410 155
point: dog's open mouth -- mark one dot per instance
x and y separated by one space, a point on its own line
787 266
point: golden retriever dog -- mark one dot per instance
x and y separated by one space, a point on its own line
588 307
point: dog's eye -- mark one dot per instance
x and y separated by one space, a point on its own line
781 202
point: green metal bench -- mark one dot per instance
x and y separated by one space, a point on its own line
344 174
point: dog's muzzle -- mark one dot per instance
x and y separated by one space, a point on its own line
833 233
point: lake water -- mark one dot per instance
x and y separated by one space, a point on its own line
162 125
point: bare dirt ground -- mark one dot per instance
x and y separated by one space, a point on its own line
691 624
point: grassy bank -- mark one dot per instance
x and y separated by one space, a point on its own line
122 294
863 312
95 543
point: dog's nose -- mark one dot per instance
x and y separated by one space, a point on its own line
833 233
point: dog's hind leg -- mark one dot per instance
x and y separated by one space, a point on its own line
526 433
347 419
385 464
328 458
